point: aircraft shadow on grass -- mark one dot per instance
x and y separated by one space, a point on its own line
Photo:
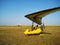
45 33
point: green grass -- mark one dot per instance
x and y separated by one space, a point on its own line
13 35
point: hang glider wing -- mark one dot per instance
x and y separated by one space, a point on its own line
37 16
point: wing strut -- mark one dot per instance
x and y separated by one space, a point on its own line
32 25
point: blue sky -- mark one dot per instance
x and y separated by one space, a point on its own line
12 12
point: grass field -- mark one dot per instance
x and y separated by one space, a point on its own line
13 35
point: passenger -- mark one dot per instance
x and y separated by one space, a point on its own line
36 27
